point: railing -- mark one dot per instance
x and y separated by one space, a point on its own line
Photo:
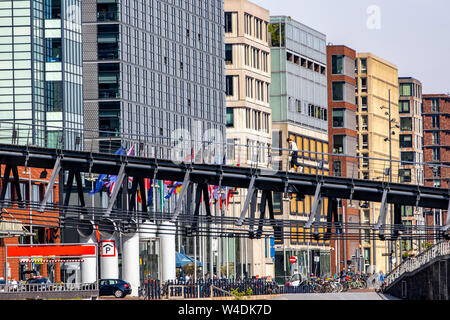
212 147
217 288
46 287
412 264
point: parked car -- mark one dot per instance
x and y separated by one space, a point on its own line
113 287
38 283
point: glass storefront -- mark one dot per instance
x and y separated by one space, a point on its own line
149 259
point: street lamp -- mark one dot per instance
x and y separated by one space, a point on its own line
391 132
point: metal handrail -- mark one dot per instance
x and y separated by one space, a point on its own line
412 264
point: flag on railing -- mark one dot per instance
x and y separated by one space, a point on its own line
113 179
105 180
174 188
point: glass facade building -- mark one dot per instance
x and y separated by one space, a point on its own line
153 67
41 72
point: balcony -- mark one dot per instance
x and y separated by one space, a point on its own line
107 12
108 42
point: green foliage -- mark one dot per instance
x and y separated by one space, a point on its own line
238 294
426 245
188 269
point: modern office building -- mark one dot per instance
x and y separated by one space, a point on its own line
154 72
41 73
41 104
377 98
152 67
436 148
411 154
249 121
298 98
342 127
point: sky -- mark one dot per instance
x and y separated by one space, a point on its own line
412 34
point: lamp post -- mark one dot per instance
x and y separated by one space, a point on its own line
391 121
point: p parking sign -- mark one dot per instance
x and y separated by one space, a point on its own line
108 248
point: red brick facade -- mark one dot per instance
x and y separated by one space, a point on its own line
351 214
437 125
45 225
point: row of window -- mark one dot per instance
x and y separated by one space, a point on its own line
253 57
410 90
310 148
255 27
301 236
254 119
305 63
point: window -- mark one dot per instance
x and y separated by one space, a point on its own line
365 123
404 107
277 32
407 211
108 41
435 121
405 141
434 105
338 91
405 175
407 157
230 117
109 117
405 124
53 9
365 161
435 138
53 50
363 84
108 80
363 103
337 64
436 154
338 118
337 168
363 65
54 95
338 144
229 85
228 22
365 141
106 11
405 89
229 54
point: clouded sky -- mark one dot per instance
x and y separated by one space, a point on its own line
412 34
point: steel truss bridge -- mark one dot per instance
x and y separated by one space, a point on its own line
196 178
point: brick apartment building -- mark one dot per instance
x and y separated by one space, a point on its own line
342 128
15 222
436 123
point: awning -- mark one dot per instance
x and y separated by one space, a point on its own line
182 259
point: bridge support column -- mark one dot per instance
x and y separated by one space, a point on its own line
130 261
89 265
168 263
109 260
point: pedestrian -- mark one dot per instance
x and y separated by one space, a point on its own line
381 277
293 153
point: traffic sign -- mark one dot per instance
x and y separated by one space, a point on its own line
108 248
293 259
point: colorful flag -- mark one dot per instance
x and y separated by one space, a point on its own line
175 188
103 180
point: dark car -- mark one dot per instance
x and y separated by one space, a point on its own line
38 283
113 287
